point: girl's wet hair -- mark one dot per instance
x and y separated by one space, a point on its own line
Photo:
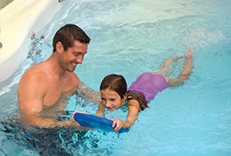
116 83
138 97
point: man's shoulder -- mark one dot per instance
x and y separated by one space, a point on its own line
74 78
73 75
35 73
31 79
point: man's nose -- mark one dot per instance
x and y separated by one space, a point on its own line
79 59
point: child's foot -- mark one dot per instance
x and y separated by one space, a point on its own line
189 53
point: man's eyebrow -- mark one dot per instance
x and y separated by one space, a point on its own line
78 52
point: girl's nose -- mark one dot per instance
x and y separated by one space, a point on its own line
107 104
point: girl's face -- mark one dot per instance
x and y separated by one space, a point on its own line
111 99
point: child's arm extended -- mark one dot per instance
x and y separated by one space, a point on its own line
100 111
133 111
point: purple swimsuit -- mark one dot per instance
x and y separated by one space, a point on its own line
149 85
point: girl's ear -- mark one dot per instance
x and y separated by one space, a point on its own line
125 96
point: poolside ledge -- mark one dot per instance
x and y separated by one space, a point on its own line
18 20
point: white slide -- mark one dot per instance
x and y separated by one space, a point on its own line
18 20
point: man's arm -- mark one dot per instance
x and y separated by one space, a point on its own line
100 111
88 94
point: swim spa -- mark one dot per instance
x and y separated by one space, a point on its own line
131 37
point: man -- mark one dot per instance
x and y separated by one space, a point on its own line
44 87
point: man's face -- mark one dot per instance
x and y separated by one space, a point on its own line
73 56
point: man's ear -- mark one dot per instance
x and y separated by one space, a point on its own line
59 47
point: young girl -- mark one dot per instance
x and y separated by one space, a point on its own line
114 92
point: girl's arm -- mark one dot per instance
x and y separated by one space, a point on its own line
133 111
100 111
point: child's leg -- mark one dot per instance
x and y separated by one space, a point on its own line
165 66
185 73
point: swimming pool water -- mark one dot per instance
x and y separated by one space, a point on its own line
133 36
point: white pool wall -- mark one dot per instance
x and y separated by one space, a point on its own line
18 20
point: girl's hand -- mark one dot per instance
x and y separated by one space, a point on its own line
119 124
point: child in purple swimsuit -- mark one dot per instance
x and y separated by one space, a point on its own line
114 92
